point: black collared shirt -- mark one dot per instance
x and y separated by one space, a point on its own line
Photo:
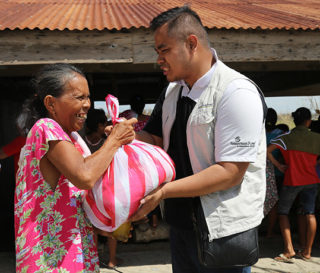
178 211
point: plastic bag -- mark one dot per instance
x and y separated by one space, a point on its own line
136 170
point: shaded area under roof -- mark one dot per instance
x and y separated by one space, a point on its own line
126 14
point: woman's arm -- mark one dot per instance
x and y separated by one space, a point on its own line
274 161
64 158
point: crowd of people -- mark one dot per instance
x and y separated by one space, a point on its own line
214 124
294 155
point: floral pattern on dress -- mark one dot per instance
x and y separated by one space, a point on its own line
272 196
52 231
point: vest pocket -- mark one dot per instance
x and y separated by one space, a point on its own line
203 115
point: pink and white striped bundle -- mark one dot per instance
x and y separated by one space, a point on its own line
136 170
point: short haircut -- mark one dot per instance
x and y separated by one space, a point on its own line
301 115
271 119
182 22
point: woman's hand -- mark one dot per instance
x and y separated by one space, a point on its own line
148 204
123 132
282 168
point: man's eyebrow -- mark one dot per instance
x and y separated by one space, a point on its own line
160 46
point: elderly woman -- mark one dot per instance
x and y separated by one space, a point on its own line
51 228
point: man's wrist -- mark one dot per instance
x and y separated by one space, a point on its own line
163 192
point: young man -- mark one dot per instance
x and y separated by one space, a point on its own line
210 120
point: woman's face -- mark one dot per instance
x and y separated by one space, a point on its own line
71 108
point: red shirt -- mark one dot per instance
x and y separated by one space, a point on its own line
300 148
301 168
13 149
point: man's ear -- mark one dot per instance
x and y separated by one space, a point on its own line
192 42
49 103
308 123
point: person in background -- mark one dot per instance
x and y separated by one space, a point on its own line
315 124
315 127
318 166
52 231
270 208
283 127
94 137
137 105
204 122
300 149
14 147
95 129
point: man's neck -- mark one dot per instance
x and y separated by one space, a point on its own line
202 69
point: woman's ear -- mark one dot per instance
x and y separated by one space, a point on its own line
49 103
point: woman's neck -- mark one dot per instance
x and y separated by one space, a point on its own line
93 138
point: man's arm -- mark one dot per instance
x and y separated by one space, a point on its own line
218 177
236 122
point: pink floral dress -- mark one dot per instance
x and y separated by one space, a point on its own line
51 228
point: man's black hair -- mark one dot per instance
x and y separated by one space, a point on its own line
271 119
137 104
171 15
301 115
182 21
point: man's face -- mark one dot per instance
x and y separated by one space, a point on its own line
173 55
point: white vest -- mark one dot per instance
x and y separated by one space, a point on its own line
240 207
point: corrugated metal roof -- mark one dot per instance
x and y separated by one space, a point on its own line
126 14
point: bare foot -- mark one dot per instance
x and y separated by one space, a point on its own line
305 256
284 258
114 263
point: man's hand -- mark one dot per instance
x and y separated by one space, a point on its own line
148 204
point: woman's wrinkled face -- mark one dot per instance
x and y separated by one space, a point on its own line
71 108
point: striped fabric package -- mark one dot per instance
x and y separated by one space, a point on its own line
136 170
